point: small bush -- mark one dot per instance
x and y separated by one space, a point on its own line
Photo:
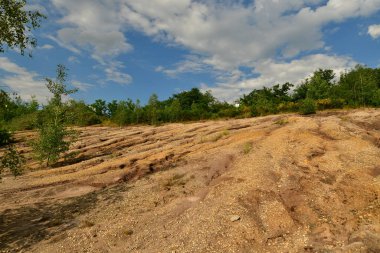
5 137
328 103
13 161
288 107
308 106
247 147
23 122
281 122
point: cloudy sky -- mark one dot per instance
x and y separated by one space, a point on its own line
118 49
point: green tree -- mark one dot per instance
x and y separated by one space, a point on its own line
320 85
153 107
100 107
359 86
16 24
54 138
12 160
111 108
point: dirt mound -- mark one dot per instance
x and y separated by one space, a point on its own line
282 183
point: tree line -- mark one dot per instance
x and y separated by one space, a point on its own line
359 87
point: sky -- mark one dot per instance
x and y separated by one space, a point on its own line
119 49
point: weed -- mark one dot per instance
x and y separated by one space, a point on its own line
13 161
219 136
281 122
176 179
247 147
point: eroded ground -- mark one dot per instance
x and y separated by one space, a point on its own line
282 183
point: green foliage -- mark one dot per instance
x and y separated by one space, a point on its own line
16 25
357 87
266 100
5 137
247 147
99 107
307 106
12 160
54 138
80 114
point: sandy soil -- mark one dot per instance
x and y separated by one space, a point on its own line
283 183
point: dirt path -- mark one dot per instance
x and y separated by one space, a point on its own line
282 183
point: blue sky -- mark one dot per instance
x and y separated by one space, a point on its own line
119 49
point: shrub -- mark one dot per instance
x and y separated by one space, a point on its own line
328 103
54 138
288 107
12 160
308 106
5 137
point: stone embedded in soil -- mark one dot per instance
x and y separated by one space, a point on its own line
235 218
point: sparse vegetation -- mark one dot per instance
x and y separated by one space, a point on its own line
5 137
281 122
54 137
12 160
307 107
247 147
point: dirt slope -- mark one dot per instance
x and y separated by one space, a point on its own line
282 183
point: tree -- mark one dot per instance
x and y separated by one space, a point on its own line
152 107
54 138
16 24
100 107
12 160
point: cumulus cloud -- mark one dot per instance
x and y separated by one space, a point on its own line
374 31
25 83
270 72
94 26
191 64
232 34
221 36
81 85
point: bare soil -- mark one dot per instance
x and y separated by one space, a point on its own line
283 183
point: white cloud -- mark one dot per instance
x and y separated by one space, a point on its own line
231 34
46 47
80 85
191 64
114 74
73 59
271 72
374 31
222 36
94 26
25 83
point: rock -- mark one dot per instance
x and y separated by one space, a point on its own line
235 218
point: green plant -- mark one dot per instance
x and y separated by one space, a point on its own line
54 138
17 22
12 160
5 137
281 122
308 106
247 147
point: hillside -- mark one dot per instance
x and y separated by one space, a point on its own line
283 183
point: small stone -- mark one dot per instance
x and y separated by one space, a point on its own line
235 218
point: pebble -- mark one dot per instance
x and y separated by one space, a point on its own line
235 218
